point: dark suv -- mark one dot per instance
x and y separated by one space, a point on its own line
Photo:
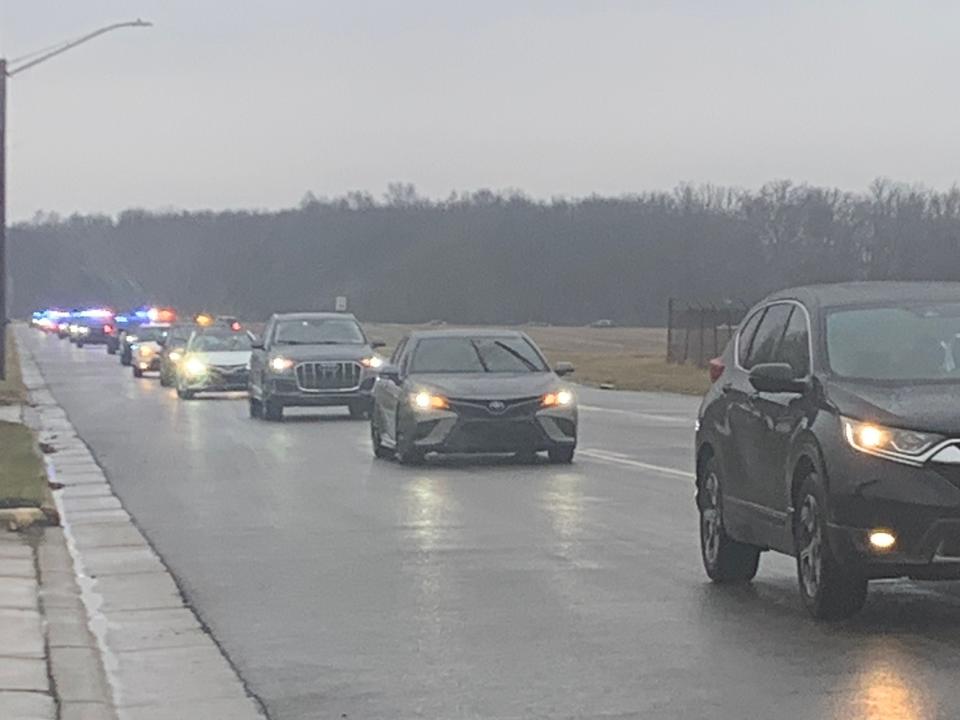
832 433
312 360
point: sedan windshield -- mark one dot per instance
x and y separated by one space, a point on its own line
896 343
209 342
319 331
476 355
150 334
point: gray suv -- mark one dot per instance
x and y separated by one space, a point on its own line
312 360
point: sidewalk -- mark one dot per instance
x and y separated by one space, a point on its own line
92 625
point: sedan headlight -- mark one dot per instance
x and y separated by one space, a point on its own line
194 367
281 364
424 400
893 443
175 356
374 362
560 398
145 350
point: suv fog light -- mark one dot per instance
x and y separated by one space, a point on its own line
882 539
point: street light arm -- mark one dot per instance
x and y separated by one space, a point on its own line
78 41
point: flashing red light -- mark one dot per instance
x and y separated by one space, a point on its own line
716 369
108 329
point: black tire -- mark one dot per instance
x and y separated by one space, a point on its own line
111 350
359 410
379 450
725 560
256 408
829 588
272 410
79 343
165 380
137 372
186 394
562 455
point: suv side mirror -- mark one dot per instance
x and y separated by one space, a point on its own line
776 378
256 342
377 344
563 368
391 373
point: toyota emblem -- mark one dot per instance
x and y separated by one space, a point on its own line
497 406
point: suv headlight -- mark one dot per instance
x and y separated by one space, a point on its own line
281 364
893 443
374 362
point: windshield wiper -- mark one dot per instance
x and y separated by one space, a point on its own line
518 356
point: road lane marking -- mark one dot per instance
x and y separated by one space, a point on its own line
626 460
671 419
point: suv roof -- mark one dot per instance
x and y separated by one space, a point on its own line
865 293
313 315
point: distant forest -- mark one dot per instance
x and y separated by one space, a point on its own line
488 257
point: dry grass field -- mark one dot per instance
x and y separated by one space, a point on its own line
627 358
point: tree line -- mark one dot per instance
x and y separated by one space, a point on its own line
487 257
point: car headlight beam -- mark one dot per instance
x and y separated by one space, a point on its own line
194 367
894 443
281 364
374 362
424 400
559 398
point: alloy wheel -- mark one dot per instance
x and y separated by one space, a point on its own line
711 518
811 546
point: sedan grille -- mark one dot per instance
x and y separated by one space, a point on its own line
315 376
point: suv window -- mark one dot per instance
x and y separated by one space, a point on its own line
795 345
746 335
764 344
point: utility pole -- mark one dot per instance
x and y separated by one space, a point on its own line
27 62
3 219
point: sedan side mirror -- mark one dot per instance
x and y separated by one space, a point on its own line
377 344
776 378
391 373
563 368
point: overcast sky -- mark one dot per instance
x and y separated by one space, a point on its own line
243 103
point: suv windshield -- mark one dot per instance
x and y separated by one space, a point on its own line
319 331
220 342
910 342
506 354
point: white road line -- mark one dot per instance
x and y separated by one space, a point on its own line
671 419
619 459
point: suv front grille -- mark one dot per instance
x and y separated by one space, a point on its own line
314 376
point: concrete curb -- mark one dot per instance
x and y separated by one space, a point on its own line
157 660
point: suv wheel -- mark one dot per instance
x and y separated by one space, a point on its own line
256 408
359 410
830 590
272 410
137 372
726 560
185 394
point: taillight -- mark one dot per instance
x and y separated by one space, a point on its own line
716 369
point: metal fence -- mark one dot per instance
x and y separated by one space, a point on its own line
698 332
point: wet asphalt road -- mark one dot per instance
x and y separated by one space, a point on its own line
341 586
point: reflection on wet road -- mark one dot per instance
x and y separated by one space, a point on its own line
343 585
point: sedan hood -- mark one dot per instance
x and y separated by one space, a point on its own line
300 353
932 407
225 358
488 386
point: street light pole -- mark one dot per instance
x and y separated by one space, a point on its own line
6 72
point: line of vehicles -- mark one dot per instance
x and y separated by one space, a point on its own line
831 431
441 391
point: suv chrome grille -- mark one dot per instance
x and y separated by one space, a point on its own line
313 376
